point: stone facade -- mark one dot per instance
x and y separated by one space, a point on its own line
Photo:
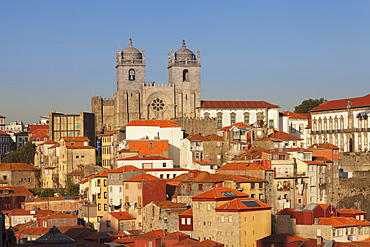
137 99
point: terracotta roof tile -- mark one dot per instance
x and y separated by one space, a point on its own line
350 211
2 116
142 177
244 166
343 103
243 204
238 125
219 194
151 157
48 142
324 145
342 222
214 137
16 167
6 191
122 216
102 174
296 115
186 242
125 169
188 212
80 147
282 238
236 104
283 136
196 137
153 234
75 138
285 211
205 162
3 133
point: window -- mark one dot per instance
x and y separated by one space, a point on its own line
292 128
246 118
164 164
150 145
98 182
99 206
183 221
105 207
161 176
219 120
200 187
271 123
188 221
253 196
105 182
126 186
108 223
105 195
110 188
230 218
98 195
260 197
188 187
232 118
252 185
120 189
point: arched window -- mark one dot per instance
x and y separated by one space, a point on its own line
246 118
232 118
185 75
131 75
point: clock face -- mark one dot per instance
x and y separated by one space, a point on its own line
157 104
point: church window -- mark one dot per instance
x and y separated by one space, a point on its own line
185 75
157 104
131 75
232 118
206 115
271 123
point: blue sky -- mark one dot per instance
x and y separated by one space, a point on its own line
56 55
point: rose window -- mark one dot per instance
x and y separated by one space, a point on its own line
157 104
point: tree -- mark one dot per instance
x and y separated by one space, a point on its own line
72 189
23 154
307 105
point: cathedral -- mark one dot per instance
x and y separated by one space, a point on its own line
136 98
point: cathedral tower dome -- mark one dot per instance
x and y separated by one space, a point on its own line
131 52
184 53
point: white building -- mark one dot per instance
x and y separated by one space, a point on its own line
296 124
249 112
156 129
343 123
146 162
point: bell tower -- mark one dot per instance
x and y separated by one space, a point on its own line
130 76
184 76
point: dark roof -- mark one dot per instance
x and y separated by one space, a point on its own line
54 236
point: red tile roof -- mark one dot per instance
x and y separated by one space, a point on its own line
154 123
343 103
236 104
342 222
350 211
2 116
3 133
188 212
297 150
244 166
122 216
208 243
125 169
219 194
103 174
75 138
282 238
285 211
197 137
283 136
205 162
110 133
142 177
48 142
187 242
324 145
238 125
14 191
296 115
214 137
156 234
242 204
151 157
16 167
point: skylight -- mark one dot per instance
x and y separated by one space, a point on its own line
251 204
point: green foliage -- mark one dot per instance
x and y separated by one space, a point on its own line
41 192
23 154
307 105
98 160
72 189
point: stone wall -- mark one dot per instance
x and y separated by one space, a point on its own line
351 162
203 126
354 192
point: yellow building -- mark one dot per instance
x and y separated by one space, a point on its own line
254 187
228 216
101 190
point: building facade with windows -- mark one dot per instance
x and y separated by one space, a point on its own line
343 123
